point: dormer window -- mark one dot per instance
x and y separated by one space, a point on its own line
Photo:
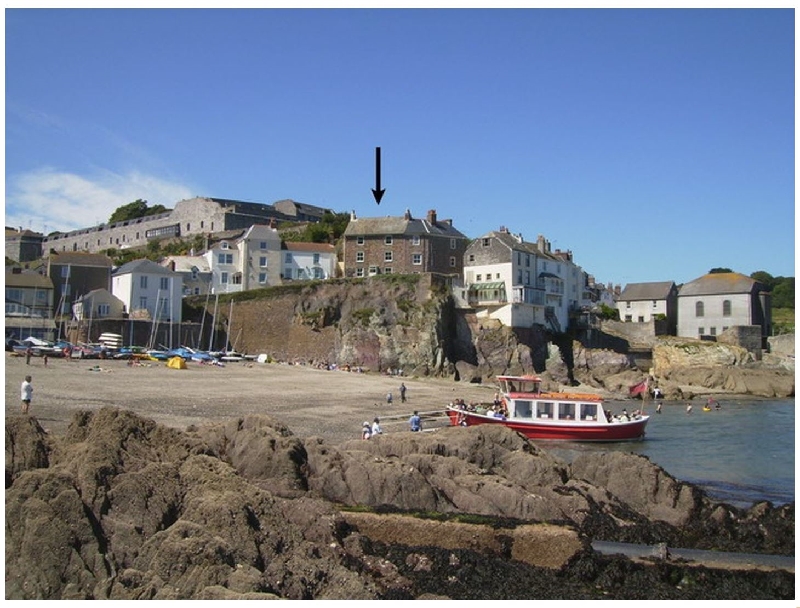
224 245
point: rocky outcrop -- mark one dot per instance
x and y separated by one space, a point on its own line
122 508
685 368
409 323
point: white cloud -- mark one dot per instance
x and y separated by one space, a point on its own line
47 200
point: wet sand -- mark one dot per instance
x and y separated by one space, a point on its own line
311 402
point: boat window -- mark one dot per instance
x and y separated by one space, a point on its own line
544 409
523 409
566 411
588 411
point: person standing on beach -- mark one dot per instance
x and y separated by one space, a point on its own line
402 392
27 394
415 422
28 353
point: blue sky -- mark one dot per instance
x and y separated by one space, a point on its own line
654 143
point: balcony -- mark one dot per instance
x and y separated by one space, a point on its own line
487 294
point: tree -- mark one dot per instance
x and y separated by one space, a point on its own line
764 277
136 209
606 312
328 230
783 293
719 270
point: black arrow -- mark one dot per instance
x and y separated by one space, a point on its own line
377 192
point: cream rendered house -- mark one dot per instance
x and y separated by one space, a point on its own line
645 302
98 304
307 261
520 283
714 302
149 291
245 260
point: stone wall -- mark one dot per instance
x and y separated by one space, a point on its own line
746 336
189 217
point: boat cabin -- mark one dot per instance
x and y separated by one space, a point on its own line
555 410
525 400
519 384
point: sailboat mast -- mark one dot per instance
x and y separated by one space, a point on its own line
199 339
213 325
230 320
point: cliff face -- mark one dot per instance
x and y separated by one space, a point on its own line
408 323
381 323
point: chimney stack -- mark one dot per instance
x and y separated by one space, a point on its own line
432 216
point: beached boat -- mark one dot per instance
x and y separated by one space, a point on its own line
522 407
39 348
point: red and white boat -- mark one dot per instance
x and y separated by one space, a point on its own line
557 416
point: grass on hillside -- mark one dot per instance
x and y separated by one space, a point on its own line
782 321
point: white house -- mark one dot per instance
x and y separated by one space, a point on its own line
643 302
714 302
245 260
98 304
195 271
305 261
149 290
522 283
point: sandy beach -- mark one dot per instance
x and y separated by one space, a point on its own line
328 404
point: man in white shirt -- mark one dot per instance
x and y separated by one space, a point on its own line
27 394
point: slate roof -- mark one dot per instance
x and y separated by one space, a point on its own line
27 278
98 292
142 266
510 241
369 226
646 291
311 247
184 263
721 283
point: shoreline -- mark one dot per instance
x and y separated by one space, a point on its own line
331 404
310 402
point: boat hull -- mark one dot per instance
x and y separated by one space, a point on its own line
632 430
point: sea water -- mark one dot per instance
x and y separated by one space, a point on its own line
740 454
